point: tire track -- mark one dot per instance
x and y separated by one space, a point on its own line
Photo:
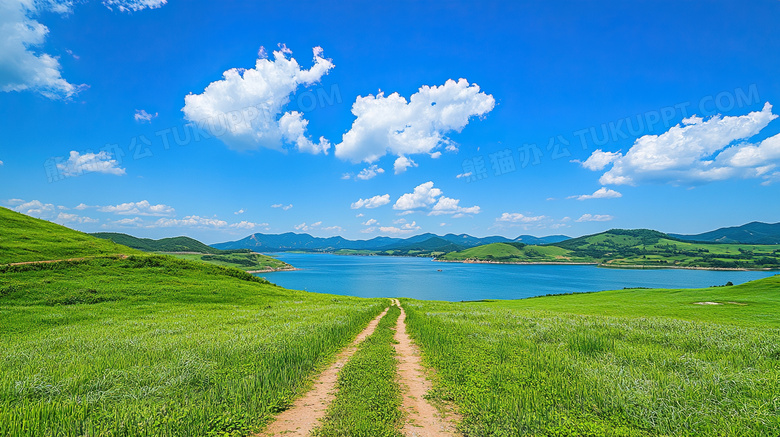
306 412
423 419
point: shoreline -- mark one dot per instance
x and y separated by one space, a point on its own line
609 266
273 270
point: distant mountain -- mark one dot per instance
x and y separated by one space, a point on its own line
530 239
293 241
751 233
174 244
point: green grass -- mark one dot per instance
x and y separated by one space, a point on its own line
243 261
24 238
620 363
629 248
173 244
154 346
368 400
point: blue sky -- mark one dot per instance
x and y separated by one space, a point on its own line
361 119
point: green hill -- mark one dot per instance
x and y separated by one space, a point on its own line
621 247
173 244
24 238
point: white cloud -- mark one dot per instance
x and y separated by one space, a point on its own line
515 217
695 151
245 108
595 218
78 164
293 128
192 221
599 159
138 208
436 155
601 193
36 208
372 202
142 116
240 211
422 196
22 68
425 195
402 163
359 215
2 163
399 221
284 207
82 206
405 229
369 172
304 227
370 222
125 222
464 175
391 124
333 229
73 218
248 225
134 5
447 205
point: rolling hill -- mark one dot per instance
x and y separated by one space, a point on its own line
174 244
25 239
750 233
620 247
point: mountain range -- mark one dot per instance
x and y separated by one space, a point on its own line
445 243
750 233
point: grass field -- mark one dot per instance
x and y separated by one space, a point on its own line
24 238
619 363
368 400
153 346
244 261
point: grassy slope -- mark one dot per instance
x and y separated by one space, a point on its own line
151 345
243 261
618 363
158 346
173 244
639 247
24 238
368 400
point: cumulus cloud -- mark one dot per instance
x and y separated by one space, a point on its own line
695 151
73 218
370 222
284 207
371 202
138 208
402 163
426 196
142 116
36 208
192 221
423 195
601 193
405 229
304 227
369 172
22 68
248 225
391 124
595 218
240 211
78 164
514 217
246 108
134 5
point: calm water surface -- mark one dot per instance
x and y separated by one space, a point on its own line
419 278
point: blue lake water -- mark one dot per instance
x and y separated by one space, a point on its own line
419 278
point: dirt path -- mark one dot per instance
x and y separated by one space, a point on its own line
306 411
423 419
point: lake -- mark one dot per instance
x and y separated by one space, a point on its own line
419 278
